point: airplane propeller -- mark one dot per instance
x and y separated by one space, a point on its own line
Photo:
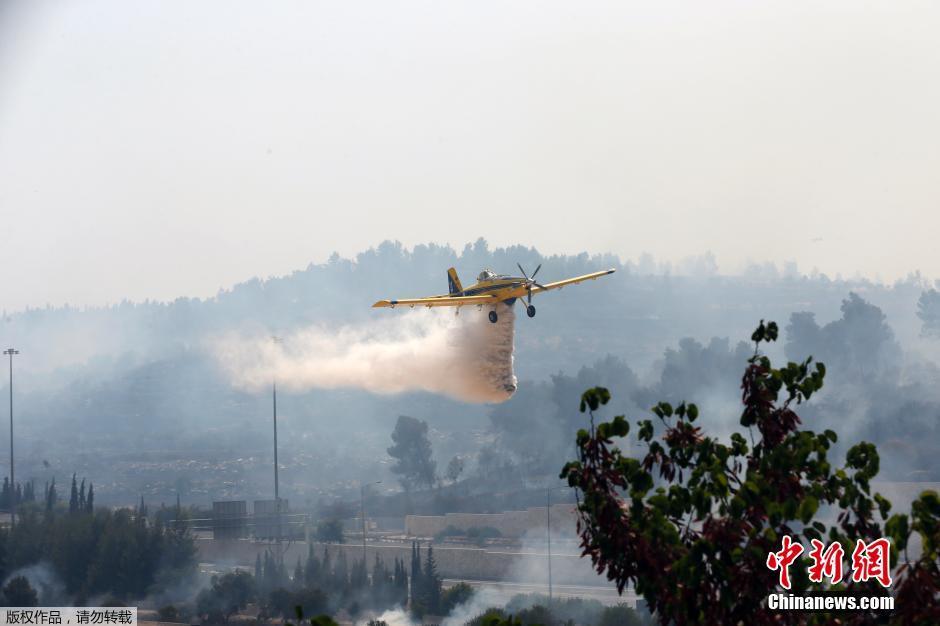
530 280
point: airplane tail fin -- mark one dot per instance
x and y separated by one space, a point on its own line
453 283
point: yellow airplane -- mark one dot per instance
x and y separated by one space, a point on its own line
490 290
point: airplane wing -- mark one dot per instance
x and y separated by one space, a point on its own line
571 281
438 301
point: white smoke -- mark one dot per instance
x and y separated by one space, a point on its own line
463 356
392 617
45 582
481 601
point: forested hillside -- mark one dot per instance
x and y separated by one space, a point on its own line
131 396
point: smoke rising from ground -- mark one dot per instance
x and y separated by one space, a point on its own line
392 617
463 356
43 579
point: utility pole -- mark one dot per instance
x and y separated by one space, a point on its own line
277 492
548 534
362 514
11 352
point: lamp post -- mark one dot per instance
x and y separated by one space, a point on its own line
277 493
548 536
362 514
11 352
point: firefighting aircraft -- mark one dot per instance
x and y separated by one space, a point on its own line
490 290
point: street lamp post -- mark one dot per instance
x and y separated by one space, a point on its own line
362 514
11 352
548 537
277 492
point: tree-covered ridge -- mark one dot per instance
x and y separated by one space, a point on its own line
93 381
645 293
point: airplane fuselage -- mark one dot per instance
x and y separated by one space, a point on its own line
490 290
502 288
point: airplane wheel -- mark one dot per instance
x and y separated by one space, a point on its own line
530 311
493 316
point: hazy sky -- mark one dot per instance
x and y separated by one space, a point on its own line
164 148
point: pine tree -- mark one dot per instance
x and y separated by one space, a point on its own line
341 574
268 575
396 582
73 498
311 569
326 572
359 577
383 585
402 582
432 583
298 575
415 595
51 497
81 497
90 500
282 579
178 525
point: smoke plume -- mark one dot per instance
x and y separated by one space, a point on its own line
463 356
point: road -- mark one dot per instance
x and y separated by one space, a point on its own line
502 591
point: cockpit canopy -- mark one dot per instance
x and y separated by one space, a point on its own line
486 275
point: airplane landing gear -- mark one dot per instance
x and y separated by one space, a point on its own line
530 311
493 317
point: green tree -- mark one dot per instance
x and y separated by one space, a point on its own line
18 592
928 310
719 509
341 574
455 596
454 469
330 531
415 599
326 570
298 579
400 579
226 595
52 497
168 613
620 615
284 602
358 576
412 453
107 553
311 568
858 346
432 583
382 590
319 620
496 617
73 498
